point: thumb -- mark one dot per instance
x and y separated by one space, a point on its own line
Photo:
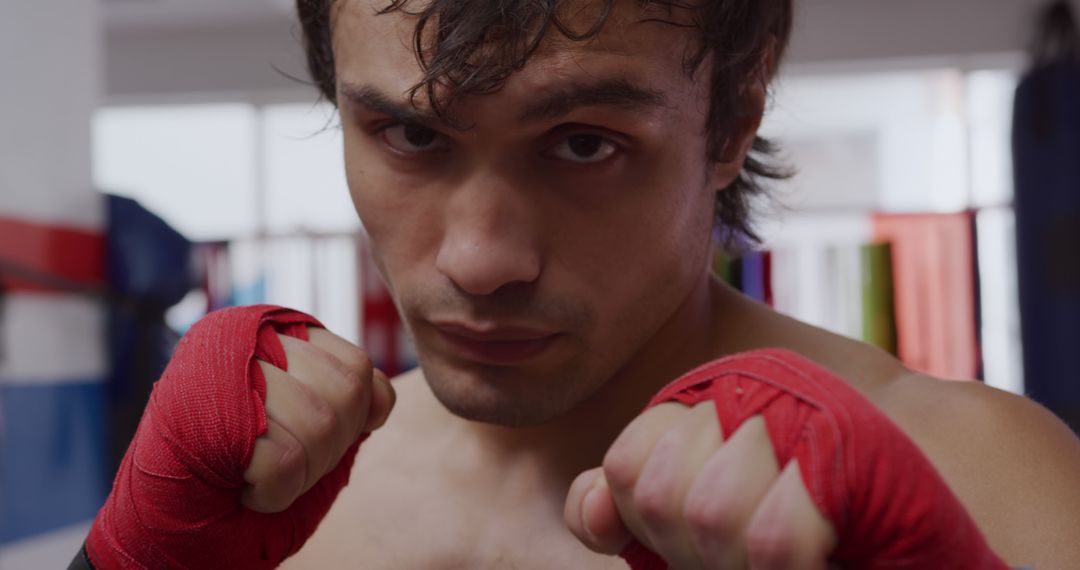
383 399
592 517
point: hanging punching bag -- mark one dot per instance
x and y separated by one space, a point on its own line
1046 154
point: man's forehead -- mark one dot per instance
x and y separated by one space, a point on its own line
576 16
376 47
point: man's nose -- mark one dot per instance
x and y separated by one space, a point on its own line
490 238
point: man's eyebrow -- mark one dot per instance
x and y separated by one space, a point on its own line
379 102
610 93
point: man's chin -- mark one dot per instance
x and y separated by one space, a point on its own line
499 415
499 396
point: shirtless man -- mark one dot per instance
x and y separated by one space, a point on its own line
541 206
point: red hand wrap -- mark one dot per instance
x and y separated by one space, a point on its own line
888 505
175 502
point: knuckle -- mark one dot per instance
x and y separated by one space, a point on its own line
356 360
654 504
323 421
621 465
770 546
350 382
291 465
712 518
354 390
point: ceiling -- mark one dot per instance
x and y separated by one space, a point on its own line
148 15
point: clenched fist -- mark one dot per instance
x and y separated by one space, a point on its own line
330 396
698 501
767 460
248 438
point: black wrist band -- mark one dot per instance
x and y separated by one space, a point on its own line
82 561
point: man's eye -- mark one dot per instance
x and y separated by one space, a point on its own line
584 149
413 139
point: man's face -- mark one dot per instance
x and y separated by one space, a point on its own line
535 253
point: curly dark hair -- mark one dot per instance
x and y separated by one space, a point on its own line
454 41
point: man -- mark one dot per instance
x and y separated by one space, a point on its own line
540 181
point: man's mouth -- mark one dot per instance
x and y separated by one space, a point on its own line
493 344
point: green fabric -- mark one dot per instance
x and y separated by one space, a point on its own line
879 316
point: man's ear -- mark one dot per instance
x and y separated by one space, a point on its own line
741 138
743 133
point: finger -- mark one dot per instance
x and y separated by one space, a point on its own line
627 456
788 532
346 388
726 492
276 473
383 400
355 358
352 356
299 410
661 490
591 515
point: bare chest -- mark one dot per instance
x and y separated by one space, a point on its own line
405 513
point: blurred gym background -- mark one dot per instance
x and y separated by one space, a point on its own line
163 158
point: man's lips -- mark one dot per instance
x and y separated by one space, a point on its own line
494 344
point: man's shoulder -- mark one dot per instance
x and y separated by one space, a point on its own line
965 415
937 402
1009 460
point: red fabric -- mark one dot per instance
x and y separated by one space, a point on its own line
70 254
175 502
888 505
381 321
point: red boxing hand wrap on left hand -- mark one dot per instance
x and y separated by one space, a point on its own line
175 501
887 503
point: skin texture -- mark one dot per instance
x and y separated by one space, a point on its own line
330 396
702 502
493 229
541 463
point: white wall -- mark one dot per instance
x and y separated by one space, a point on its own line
45 104
238 57
204 59
52 347
841 30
